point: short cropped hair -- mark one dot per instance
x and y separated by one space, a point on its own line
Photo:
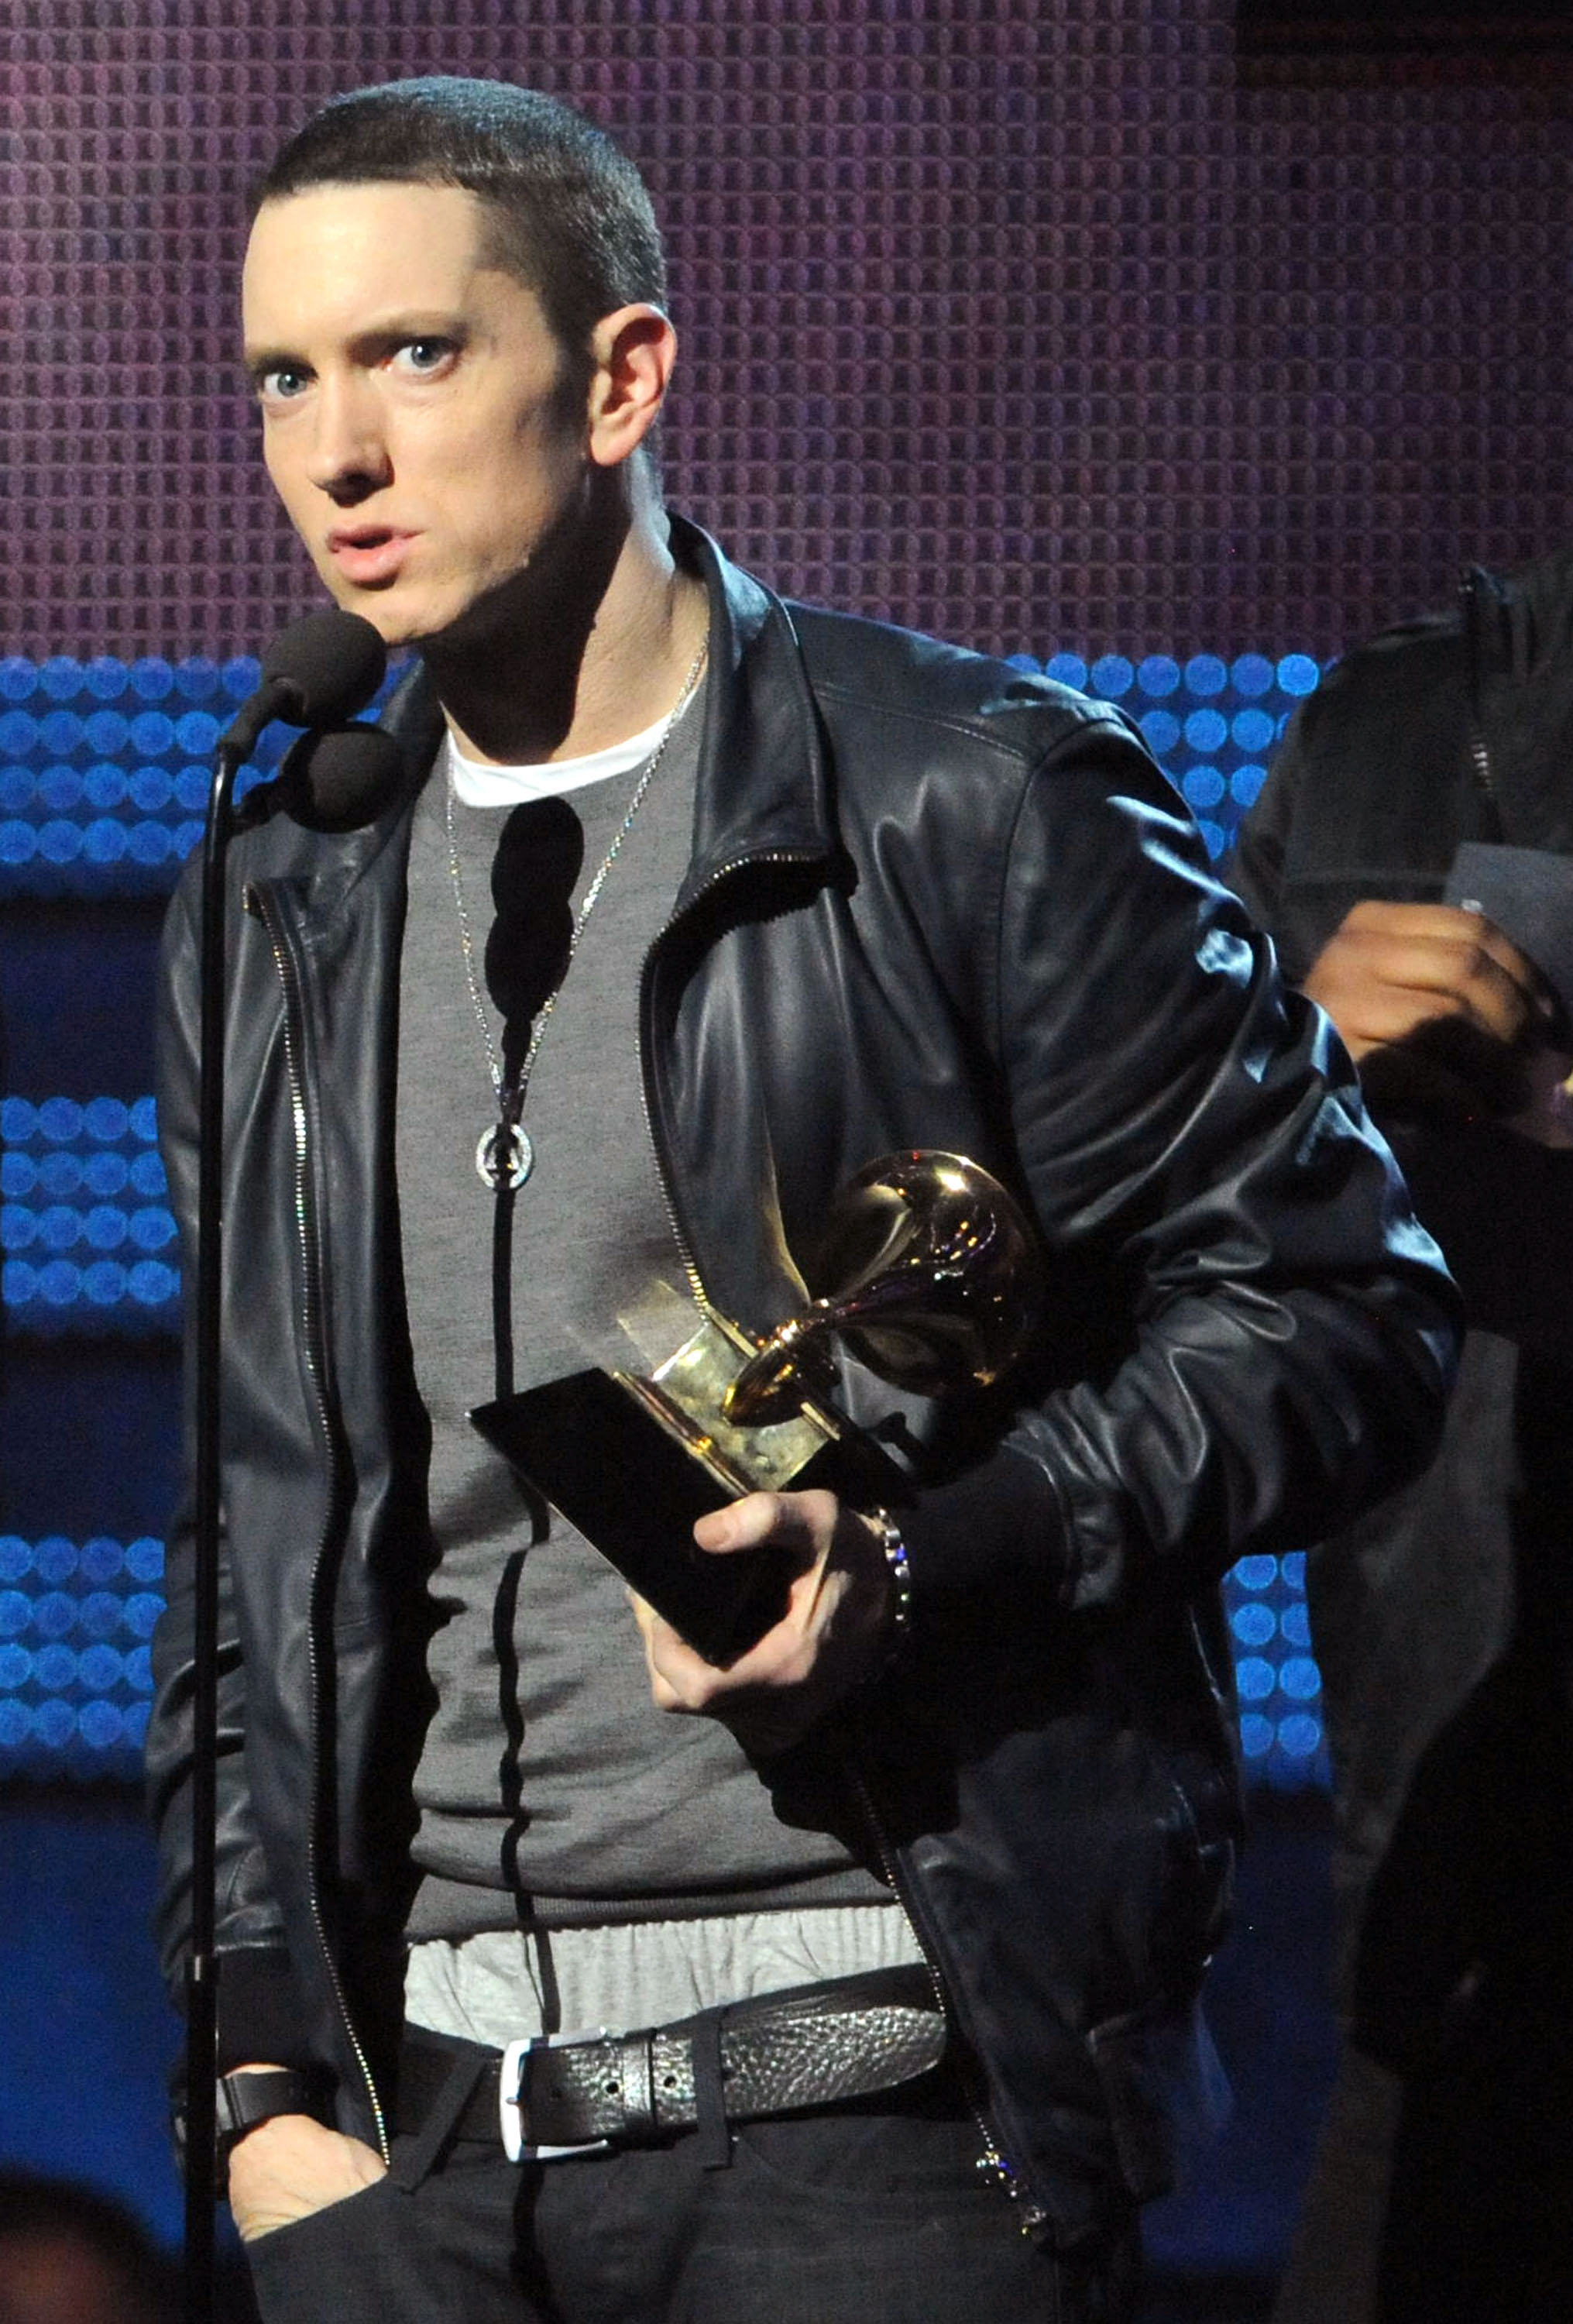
568 214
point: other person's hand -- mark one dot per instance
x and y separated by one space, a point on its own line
291 2166
831 1636
1438 1008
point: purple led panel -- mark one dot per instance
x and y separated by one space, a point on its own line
1024 321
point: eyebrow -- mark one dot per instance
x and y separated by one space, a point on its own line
255 367
397 325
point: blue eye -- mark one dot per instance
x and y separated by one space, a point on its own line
424 356
282 385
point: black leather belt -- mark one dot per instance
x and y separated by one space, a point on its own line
812 2046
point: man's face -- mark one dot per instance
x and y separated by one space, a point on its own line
419 418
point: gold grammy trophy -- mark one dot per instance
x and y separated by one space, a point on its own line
933 1281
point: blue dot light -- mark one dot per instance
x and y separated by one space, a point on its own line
1158 677
1206 731
1299 1679
1112 676
1254 1678
1298 675
1251 730
1252 674
1205 676
1254 1623
54 1723
144 1559
1300 1735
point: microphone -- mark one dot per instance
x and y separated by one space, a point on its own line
321 669
339 777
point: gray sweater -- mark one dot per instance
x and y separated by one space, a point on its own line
551 1791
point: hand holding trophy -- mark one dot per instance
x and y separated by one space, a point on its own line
933 1279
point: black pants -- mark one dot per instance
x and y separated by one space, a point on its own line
856 2217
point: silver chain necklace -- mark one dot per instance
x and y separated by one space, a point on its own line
504 1153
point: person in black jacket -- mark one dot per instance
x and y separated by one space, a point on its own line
692 904
1441 1620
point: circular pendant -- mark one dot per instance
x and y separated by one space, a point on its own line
517 1151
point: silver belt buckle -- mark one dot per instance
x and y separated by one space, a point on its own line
516 2145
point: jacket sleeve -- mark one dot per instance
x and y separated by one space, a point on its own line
260 2018
1264 1333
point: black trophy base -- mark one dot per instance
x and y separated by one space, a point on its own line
634 1492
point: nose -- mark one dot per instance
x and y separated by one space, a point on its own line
349 457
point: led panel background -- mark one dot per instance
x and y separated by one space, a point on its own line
1029 322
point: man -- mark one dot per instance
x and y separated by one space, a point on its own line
844 893
1444 2187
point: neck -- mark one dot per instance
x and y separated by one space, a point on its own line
596 648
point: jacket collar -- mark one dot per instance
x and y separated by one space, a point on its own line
1536 618
1520 647
763 783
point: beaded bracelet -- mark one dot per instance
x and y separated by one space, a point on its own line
899 1569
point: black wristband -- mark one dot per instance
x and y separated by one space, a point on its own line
244 2099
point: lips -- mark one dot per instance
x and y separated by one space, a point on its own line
369 554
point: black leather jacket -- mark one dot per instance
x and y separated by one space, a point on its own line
931 903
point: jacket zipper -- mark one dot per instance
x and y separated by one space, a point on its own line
259 903
1479 755
1033 2218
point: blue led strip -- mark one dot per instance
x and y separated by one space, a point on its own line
1275 1674
106 765
75 1622
86 1240
74 1678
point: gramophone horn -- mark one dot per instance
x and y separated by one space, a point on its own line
932 1280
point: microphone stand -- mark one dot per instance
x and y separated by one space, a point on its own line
202 1961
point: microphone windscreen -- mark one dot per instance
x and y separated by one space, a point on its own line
331 664
340 777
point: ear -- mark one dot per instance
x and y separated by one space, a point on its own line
633 350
